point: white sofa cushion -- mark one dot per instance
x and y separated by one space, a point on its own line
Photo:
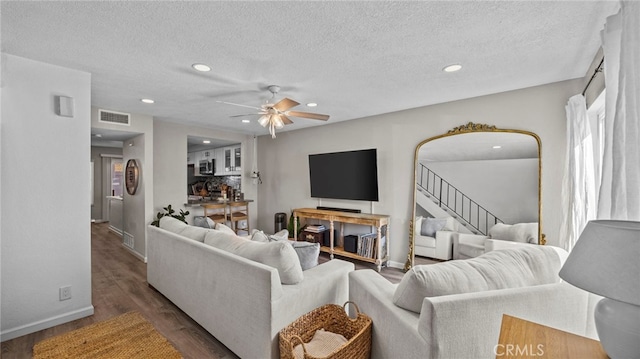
519 232
424 241
509 268
172 224
178 227
224 228
277 254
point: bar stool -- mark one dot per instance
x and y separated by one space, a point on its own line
216 211
239 211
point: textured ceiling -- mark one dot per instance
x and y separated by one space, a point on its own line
355 59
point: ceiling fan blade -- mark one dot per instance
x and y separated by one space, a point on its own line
247 114
285 119
285 104
237 104
315 116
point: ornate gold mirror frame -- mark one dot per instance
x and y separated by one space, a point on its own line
461 130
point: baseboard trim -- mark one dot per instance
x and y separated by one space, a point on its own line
135 253
393 264
46 323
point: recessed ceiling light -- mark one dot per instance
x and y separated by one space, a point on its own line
98 135
246 121
206 142
452 68
147 100
312 104
497 147
201 67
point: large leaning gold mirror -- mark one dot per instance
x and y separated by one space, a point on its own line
470 179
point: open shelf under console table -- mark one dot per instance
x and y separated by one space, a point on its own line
380 251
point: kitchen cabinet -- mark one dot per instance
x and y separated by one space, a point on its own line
191 158
220 169
228 161
232 160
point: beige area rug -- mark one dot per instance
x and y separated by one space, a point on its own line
125 336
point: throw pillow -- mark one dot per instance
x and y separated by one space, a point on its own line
201 221
223 240
279 255
224 228
259 236
508 268
195 233
282 235
307 253
171 224
431 225
519 232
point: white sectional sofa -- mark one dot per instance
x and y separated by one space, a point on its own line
239 301
464 319
499 236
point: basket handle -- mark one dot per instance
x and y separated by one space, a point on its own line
304 349
344 306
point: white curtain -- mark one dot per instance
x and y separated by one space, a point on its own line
578 183
619 196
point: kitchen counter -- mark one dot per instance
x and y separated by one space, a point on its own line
193 202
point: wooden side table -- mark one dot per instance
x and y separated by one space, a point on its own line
520 338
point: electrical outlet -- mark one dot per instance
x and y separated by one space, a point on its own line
65 293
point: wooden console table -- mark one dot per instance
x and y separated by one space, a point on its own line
520 338
379 221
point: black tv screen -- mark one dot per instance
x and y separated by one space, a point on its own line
344 175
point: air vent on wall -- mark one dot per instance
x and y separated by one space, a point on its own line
118 118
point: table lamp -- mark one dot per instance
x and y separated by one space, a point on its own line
606 261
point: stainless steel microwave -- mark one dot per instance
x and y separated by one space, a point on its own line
206 167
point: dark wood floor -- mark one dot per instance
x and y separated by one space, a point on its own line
119 285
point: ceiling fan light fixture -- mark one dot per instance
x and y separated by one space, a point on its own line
264 120
277 121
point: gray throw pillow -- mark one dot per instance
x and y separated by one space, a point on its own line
431 225
201 221
307 253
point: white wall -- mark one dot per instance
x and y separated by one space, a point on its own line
138 208
284 160
170 166
45 234
507 188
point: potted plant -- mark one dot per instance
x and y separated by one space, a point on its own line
170 212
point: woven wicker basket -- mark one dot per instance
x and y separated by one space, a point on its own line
332 318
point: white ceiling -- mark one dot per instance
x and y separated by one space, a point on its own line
355 59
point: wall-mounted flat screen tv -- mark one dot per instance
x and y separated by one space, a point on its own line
344 175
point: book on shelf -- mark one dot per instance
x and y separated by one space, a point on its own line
316 228
367 245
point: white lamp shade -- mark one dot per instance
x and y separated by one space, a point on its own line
606 260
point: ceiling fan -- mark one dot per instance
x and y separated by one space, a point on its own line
275 116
